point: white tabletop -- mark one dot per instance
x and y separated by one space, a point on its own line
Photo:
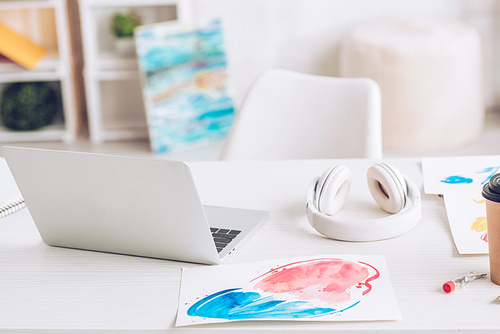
53 290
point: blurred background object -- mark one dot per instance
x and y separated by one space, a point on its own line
430 73
100 89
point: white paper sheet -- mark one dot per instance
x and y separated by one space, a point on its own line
321 288
446 174
466 212
10 197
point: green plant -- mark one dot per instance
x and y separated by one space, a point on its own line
123 24
28 105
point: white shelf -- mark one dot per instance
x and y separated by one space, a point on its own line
30 76
50 62
54 132
114 62
112 75
46 23
128 3
112 82
123 134
21 5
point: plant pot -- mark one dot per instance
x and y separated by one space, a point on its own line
125 46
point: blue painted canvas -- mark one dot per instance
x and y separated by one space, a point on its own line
184 80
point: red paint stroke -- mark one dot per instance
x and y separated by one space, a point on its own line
328 279
372 278
484 236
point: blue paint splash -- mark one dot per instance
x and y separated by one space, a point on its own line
234 304
456 179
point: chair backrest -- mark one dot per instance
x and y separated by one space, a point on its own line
289 115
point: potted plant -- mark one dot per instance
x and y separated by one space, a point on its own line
123 25
26 106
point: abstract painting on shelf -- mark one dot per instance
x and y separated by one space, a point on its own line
185 84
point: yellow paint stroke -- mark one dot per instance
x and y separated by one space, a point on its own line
479 224
481 201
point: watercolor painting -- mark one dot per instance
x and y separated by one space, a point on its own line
445 174
184 81
466 211
318 288
480 224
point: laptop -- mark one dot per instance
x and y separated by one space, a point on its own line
125 205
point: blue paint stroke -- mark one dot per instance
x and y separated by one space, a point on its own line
234 304
493 171
457 179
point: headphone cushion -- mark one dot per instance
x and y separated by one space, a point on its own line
388 187
332 189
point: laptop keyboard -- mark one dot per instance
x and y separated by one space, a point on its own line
222 237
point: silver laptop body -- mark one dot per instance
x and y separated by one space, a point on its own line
126 205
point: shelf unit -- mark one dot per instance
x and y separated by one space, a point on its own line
46 23
115 107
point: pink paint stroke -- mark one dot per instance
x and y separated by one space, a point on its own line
369 279
328 280
484 236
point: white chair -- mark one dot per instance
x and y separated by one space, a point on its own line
289 115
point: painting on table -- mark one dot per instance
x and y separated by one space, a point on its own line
460 180
445 174
185 84
322 288
466 212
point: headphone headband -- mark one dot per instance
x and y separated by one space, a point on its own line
366 229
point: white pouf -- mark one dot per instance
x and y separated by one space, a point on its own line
430 77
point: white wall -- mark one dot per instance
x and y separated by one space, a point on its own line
304 35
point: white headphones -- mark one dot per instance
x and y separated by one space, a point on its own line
394 193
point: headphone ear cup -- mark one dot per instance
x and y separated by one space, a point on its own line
388 187
332 189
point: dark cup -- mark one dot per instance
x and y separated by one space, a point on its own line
491 192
